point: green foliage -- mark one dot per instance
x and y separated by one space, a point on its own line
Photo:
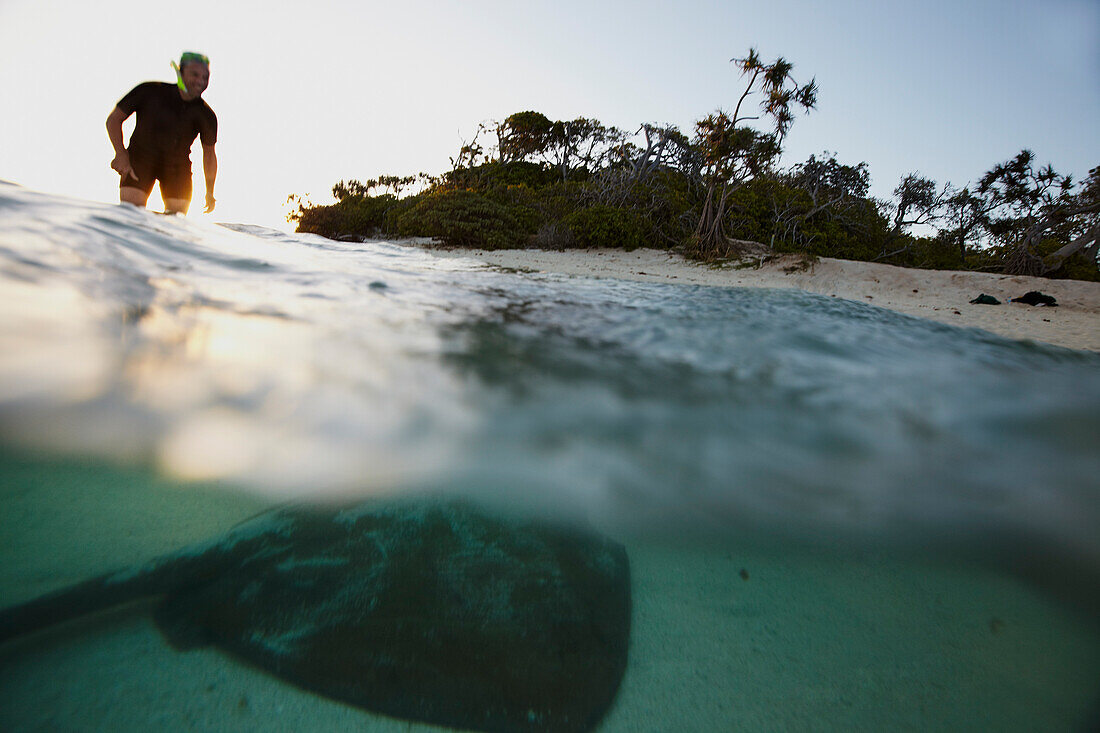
356 217
604 226
779 88
462 218
524 135
572 148
568 183
1078 267
666 202
930 253
496 173
793 218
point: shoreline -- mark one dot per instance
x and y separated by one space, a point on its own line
939 295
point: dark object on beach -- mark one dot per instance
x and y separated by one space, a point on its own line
984 299
1034 297
425 610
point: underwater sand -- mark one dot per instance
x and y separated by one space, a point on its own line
804 638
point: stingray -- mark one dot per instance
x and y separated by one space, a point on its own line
423 609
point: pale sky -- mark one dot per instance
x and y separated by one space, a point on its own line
308 93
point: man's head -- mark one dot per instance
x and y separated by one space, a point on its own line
194 70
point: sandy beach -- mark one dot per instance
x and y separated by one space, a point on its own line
938 295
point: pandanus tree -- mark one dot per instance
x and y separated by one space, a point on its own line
1029 204
732 153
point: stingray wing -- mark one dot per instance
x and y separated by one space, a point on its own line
180 572
429 611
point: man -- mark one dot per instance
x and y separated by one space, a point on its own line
169 118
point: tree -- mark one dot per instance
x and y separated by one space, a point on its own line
1076 218
570 145
654 182
523 136
581 144
665 147
730 153
353 189
471 153
1027 211
966 215
917 201
1022 199
827 188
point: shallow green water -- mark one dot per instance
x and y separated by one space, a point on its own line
729 634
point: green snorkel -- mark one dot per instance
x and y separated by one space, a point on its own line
187 57
179 78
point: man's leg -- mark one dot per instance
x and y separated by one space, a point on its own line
175 189
176 206
130 195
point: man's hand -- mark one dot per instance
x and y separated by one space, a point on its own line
121 164
209 203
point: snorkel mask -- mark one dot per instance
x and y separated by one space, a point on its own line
186 58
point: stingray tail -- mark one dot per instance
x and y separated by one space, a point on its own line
107 591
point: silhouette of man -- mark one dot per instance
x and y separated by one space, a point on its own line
169 118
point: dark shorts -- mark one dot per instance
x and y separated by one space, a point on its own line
174 176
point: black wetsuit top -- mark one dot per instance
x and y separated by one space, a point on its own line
167 126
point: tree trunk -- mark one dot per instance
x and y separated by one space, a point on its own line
1054 261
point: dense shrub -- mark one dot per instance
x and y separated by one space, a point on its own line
787 219
604 226
462 218
665 203
1078 267
352 217
751 210
495 173
554 234
929 253
522 202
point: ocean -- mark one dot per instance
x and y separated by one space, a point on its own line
838 517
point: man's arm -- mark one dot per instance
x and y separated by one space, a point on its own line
210 172
121 163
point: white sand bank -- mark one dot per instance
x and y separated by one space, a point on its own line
936 294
